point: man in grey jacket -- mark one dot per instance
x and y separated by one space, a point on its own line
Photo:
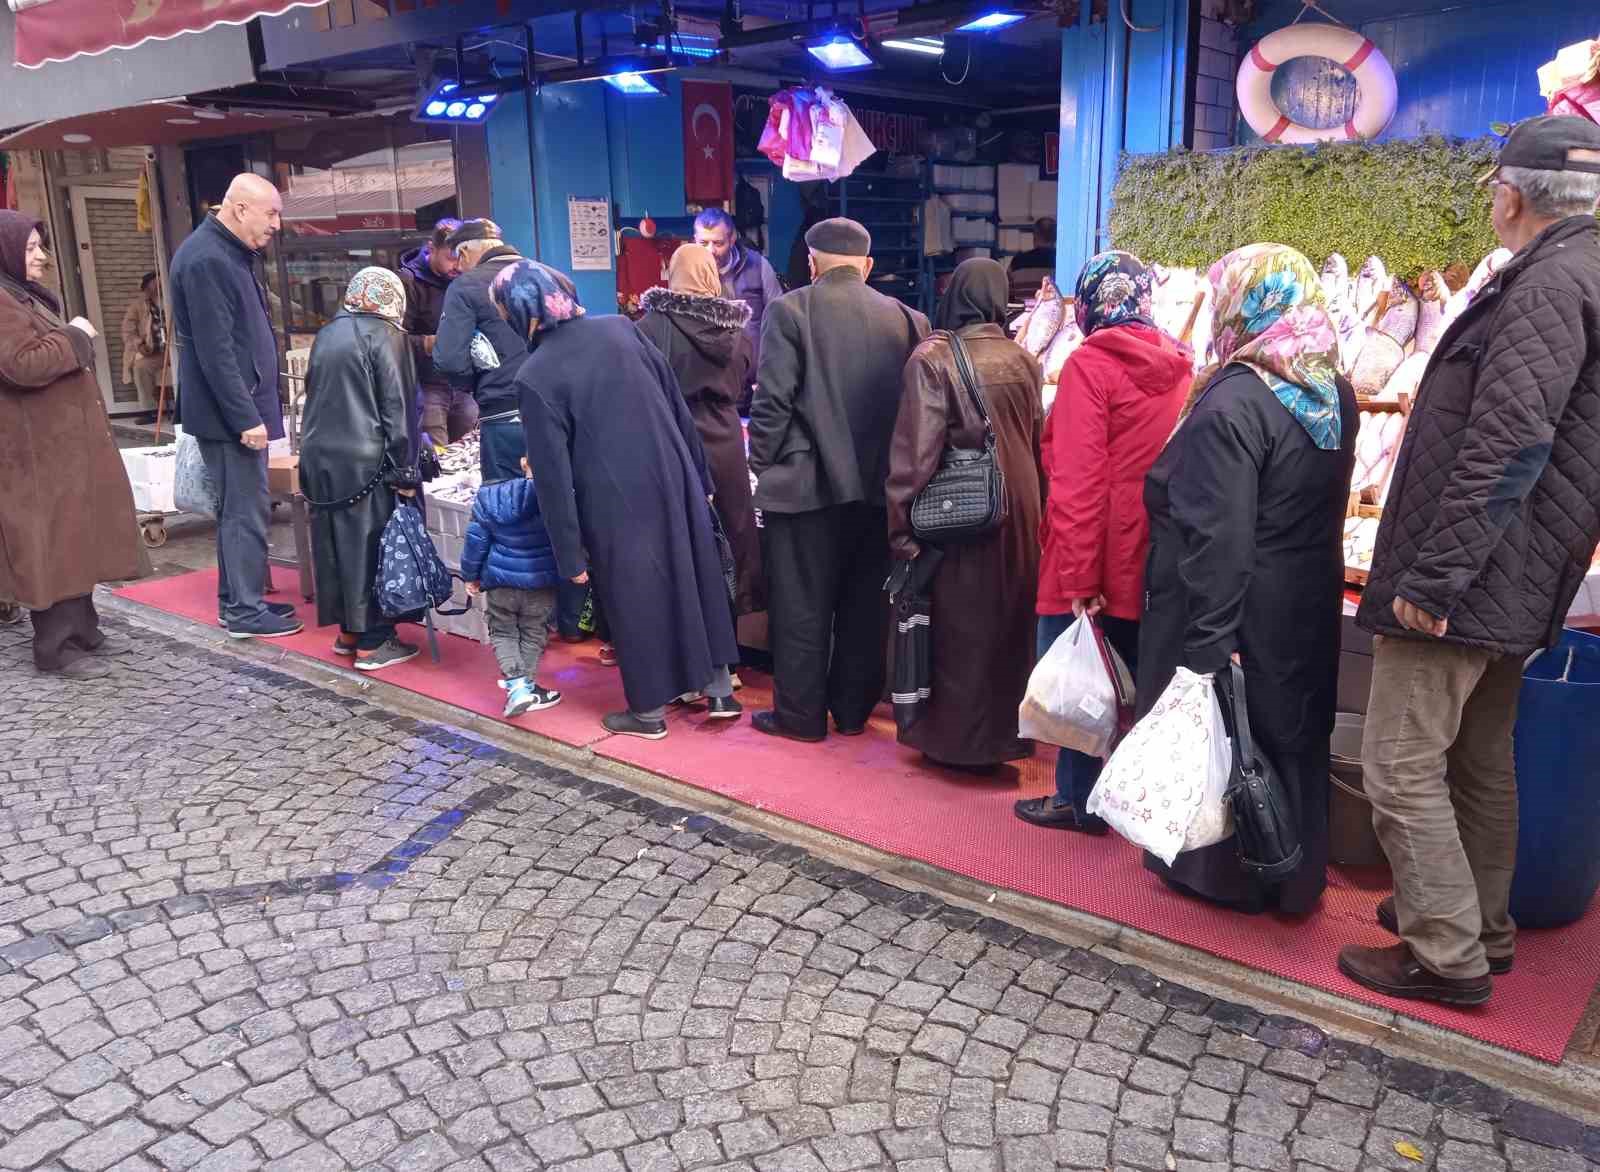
827 396
1492 520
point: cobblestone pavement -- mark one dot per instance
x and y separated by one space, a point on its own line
249 923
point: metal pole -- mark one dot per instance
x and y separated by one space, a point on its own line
529 103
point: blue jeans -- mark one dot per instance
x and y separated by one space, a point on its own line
1077 772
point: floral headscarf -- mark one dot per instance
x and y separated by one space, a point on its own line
1113 290
1271 315
534 297
375 290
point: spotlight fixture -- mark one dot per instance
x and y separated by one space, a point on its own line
688 45
932 46
992 21
462 103
839 52
626 75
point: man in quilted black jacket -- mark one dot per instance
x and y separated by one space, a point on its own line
1491 524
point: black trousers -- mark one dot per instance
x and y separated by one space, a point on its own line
829 615
64 632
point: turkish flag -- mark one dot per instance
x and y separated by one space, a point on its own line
707 142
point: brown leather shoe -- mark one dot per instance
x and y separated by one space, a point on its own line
1389 921
1395 972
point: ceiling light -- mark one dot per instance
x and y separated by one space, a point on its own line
686 45
76 139
444 100
183 122
210 115
992 21
624 74
928 45
839 52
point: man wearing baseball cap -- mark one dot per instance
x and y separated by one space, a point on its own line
1491 523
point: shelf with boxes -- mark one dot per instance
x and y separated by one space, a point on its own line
889 204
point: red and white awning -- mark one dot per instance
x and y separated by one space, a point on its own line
59 30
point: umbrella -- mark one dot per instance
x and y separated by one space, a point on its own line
910 590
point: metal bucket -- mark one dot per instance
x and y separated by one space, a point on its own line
1351 840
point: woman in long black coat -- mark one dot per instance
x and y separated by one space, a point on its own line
623 486
1246 517
701 335
358 451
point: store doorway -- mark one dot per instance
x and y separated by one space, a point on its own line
113 256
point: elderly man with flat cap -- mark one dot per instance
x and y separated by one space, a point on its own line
476 350
827 394
1492 520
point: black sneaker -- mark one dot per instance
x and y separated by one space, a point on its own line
282 610
387 655
268 626
726 708
543 698
626 724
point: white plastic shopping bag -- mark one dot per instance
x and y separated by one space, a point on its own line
1163 787
1071 699
192 487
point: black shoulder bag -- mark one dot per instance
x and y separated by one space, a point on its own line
1264 822
966 498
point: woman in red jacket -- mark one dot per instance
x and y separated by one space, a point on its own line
1117 402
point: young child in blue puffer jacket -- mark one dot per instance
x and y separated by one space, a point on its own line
508 559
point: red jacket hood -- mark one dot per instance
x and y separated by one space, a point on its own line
1152 360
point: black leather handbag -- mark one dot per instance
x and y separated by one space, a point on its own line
966 498
1265 826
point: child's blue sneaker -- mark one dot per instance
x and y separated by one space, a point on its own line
523 697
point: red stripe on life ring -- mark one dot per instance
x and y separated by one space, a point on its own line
1278 128
1261 62
1367 49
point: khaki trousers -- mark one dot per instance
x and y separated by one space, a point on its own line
1440 774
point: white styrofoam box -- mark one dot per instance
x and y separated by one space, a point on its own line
975 202
151 465
973 231
1016 203
1042 198
984 179
946 177
153 496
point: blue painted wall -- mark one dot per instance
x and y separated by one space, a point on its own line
645 142
1121 90
1461 64
570 132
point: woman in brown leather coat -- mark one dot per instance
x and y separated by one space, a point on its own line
983 592
66 511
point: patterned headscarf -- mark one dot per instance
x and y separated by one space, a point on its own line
533 297
1113 290
1271 315
375 290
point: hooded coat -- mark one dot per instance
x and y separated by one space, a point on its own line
983 591
703 342
66 509
1118 399
425 290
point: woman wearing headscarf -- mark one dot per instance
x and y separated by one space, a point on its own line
701 334
358 452
622 482
982 597
1116 401
1247 511
66 510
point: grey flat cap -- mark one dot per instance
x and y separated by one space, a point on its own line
839 236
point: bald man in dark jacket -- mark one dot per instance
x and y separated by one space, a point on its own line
827 394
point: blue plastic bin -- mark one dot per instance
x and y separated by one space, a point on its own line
1558 785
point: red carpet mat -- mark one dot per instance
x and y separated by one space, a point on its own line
871 790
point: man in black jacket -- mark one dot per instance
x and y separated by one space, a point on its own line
828 391
477 350
448 413
228 392
1491 523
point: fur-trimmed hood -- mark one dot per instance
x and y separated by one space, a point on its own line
712 325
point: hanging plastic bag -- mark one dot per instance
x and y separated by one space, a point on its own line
1169 775
1073 698
192 488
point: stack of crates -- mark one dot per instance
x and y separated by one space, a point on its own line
447 525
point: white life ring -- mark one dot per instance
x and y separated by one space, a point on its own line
1376 93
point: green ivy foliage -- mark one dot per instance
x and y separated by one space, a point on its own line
1414 202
